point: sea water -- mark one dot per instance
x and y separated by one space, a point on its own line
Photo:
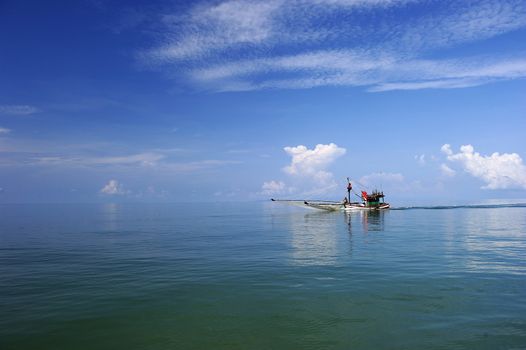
261 276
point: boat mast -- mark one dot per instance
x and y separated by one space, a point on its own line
349 188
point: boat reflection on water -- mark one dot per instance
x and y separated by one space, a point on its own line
109 217
314 238
319 238
369 220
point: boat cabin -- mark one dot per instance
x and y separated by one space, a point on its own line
373 199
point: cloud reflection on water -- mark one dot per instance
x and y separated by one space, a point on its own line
495 241
321 239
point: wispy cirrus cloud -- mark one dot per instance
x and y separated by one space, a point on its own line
18 110
379 71
247 45
459 22
4 131
211 27
167 160
447 74
151 160
144 159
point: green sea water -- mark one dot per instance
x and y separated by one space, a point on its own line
261 276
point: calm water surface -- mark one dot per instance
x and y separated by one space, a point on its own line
260 276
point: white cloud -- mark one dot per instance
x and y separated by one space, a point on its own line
421 159
380 71
453 74
357 3
143 159
447 171
230 45
498 171
446 149
208 28
4 131
163 160
430 84
18 109
326 62
113 187
463 23
312 164
273 187
211 28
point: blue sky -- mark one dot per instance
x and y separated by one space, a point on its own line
247 100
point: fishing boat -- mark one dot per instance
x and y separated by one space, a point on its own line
374 201
369 201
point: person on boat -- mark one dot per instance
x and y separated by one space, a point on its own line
345 201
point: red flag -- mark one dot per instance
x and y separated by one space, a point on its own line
364 195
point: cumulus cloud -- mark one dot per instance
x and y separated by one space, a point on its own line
308 171
421 159
313 163
446 170
18 109
4 131
446 149
234 45
113 187
498 171
310 166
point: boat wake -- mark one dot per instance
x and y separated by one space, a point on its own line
471 206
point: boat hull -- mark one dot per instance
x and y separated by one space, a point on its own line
351 207
335 206
348 207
